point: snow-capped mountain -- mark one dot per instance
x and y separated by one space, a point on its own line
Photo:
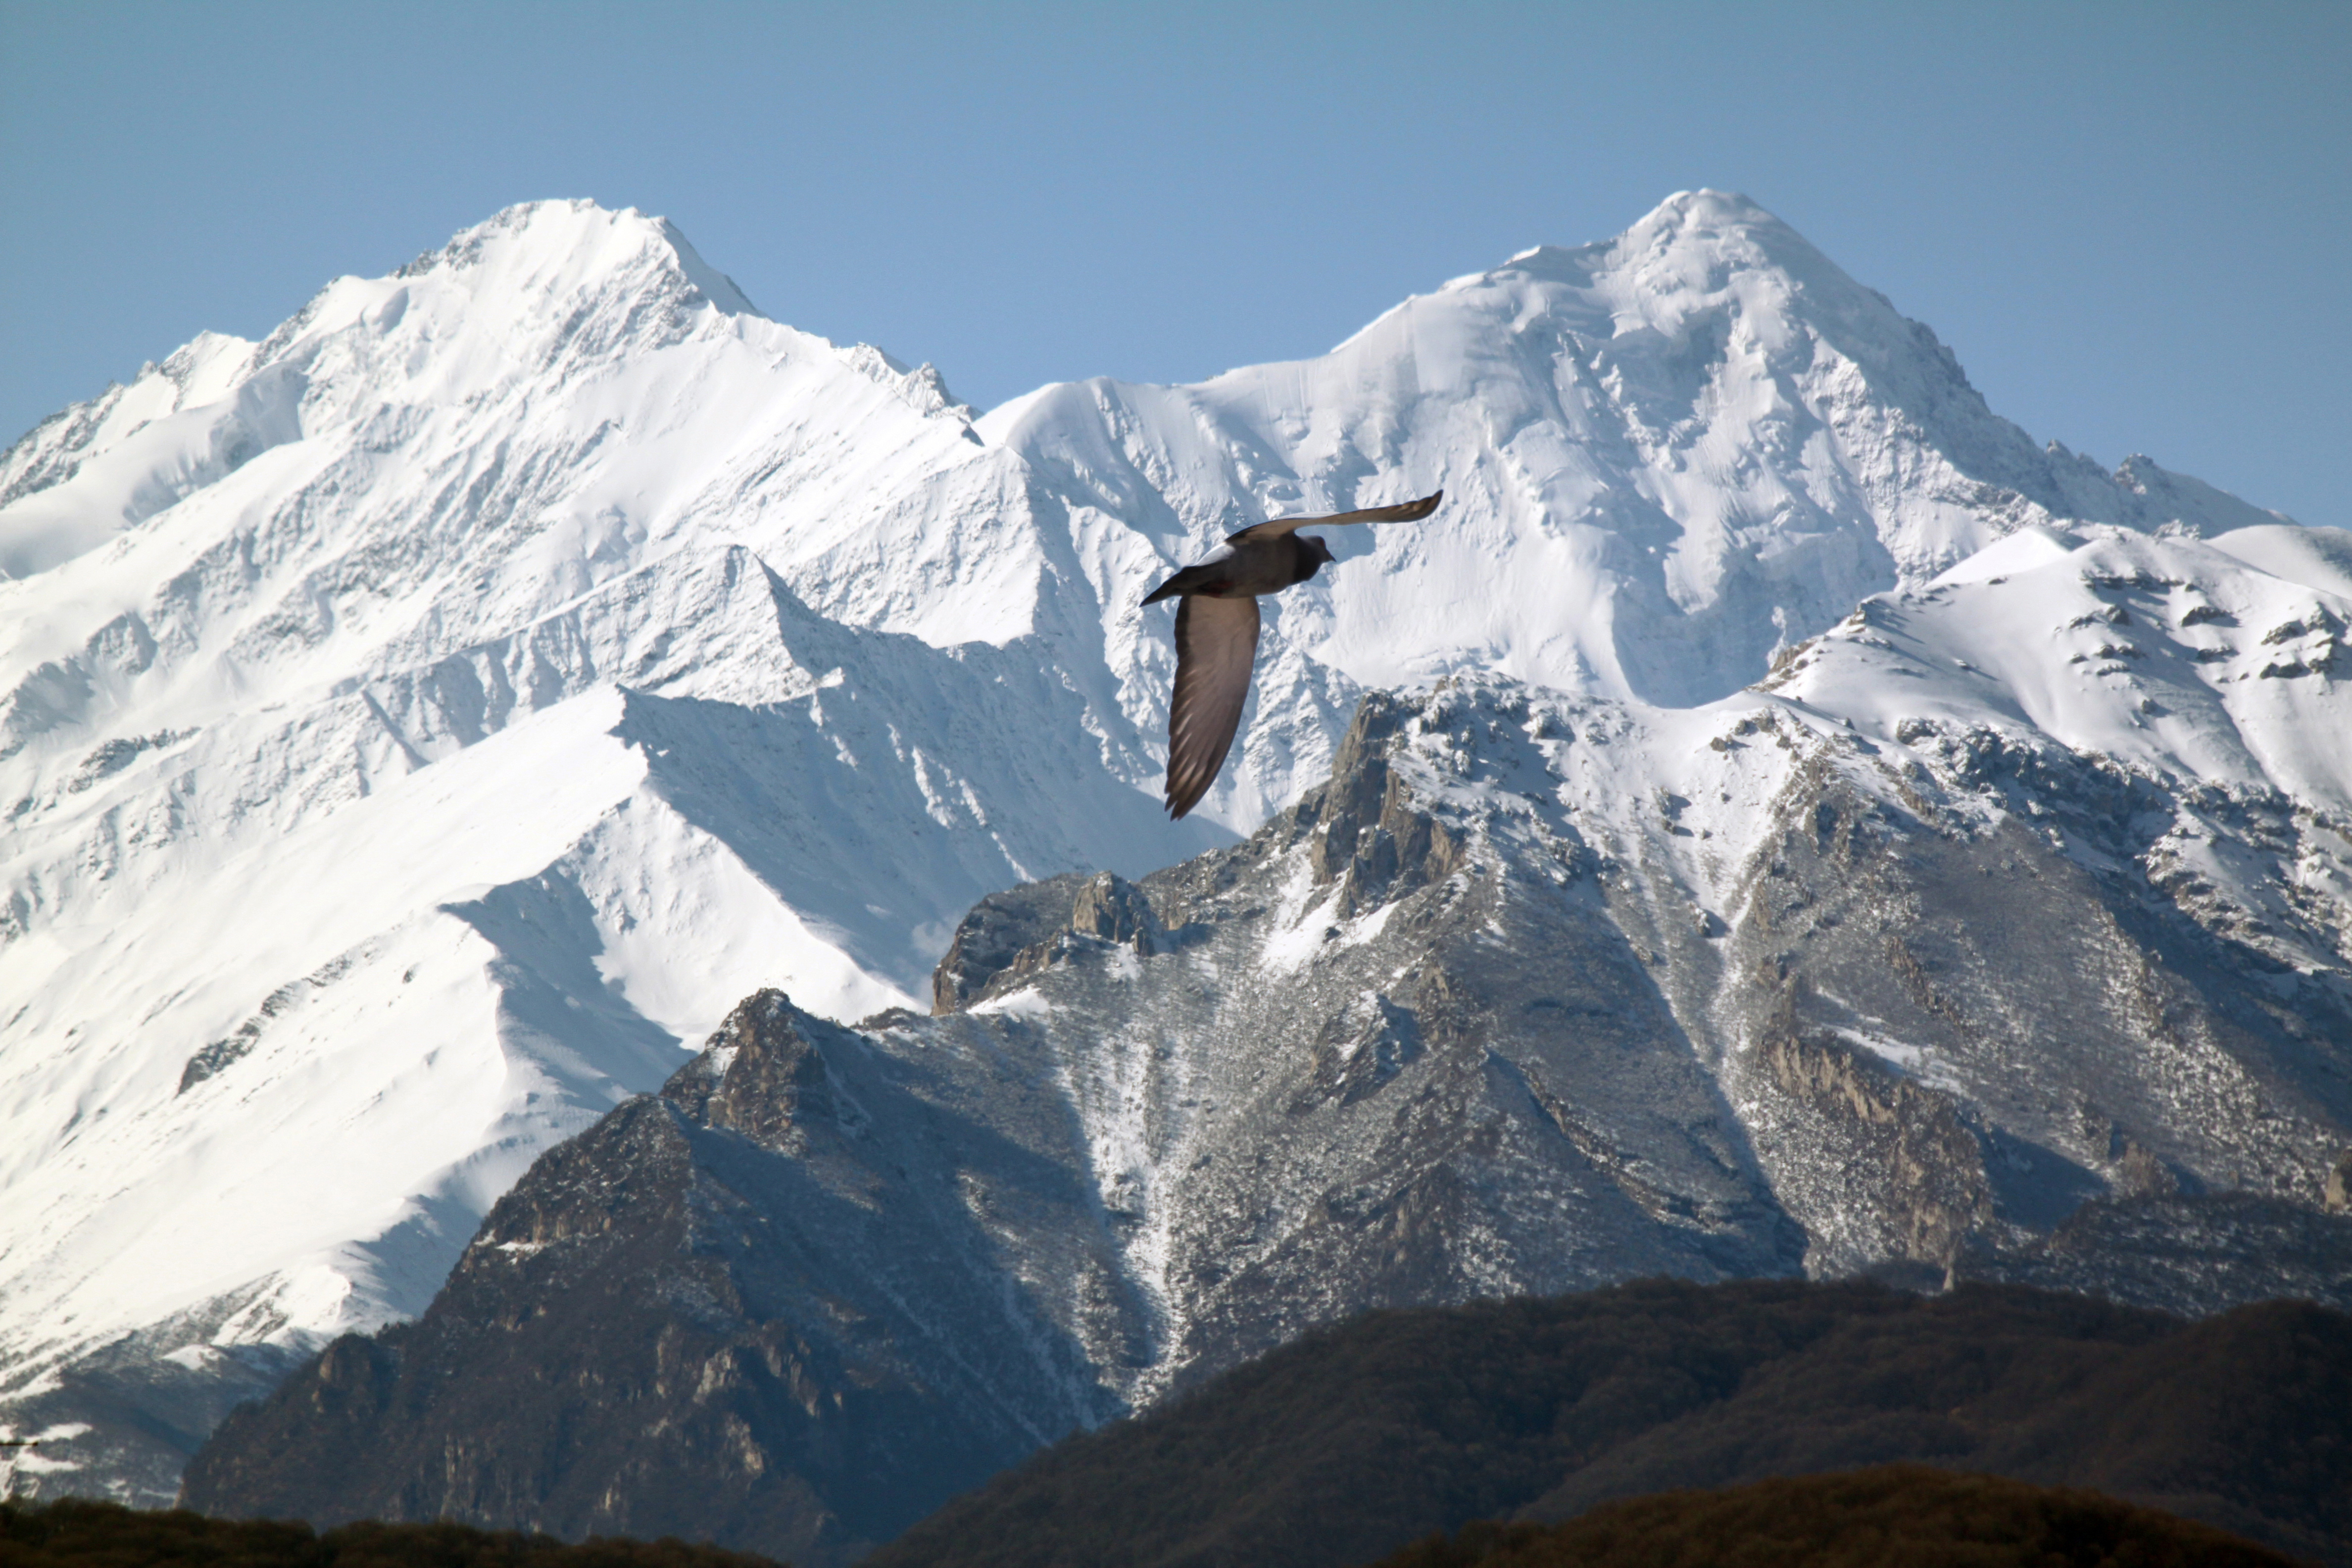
409 737
414 726
1665 456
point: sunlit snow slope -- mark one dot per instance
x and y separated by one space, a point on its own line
414 726
1665 455
410 734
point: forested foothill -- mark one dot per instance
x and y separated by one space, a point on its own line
1896 1516
75 1532
1359 1439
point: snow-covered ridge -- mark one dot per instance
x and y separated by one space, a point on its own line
415 724
2207 661
407 738
1665 456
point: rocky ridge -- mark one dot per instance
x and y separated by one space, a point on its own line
1466 1022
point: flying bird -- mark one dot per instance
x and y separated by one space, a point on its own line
1216 634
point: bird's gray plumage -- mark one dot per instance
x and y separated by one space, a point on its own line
1216 634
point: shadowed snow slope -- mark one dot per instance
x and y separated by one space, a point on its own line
414 725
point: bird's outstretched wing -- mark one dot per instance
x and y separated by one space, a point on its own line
1216 643
1404 512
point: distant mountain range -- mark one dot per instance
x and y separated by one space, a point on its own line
1774 817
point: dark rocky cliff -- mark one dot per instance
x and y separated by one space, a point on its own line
747 1309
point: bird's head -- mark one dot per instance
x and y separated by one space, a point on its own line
1318 552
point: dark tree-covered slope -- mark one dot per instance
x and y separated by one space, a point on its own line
1359 1439
2243 1420
74 1533
1894 1516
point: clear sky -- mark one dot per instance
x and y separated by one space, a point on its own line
2133 222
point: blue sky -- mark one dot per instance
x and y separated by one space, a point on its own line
2132 222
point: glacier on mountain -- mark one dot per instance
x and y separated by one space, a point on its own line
414 726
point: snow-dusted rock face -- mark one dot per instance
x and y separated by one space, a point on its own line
1474 1018
414 726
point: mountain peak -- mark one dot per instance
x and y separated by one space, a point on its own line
569 242
1705 208
1685 219
537 283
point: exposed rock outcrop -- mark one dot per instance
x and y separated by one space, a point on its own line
747 1307
1470 1020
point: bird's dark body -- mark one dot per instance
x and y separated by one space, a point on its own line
1253 567
1216 634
